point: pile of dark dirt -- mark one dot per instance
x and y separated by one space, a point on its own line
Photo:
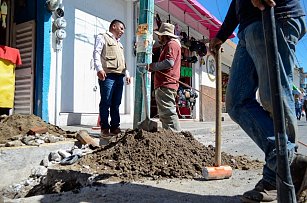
17 124
165 154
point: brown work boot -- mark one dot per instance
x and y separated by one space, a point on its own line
263 192
298 170
105 133
115 131
301 195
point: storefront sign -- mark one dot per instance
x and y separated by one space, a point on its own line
186 71
211 67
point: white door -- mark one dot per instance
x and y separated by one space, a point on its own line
86 87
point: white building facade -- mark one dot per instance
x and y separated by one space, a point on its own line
73 97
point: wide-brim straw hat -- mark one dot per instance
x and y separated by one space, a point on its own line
167 29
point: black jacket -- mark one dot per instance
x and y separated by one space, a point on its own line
243 13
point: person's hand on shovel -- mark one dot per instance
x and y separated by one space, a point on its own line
214 45
149 67
260 3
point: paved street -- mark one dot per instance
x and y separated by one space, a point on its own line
235 141
302 136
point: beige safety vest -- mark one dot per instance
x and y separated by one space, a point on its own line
112 56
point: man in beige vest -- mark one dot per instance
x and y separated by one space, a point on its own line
111 68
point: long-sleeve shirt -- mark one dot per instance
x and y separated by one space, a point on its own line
98 47
243 13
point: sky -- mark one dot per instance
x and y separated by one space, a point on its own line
219 8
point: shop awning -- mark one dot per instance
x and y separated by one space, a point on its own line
198 13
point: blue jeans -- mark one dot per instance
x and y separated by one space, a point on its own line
298 112
111 90
248 73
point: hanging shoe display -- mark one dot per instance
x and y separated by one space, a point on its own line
3 13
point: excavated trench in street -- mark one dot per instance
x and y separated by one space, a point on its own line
136 155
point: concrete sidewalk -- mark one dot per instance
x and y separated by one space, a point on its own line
195 127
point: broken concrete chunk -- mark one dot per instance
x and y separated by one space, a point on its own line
61 138
16 143
40 141
17 187
53 139
54 156
87 151
37 135
39 130
77 152
85 146
39 171
63 153
45 162
29 182
32 143
27 139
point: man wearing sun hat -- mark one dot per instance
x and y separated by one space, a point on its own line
165 88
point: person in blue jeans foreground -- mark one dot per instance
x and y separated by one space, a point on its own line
109 62
249 72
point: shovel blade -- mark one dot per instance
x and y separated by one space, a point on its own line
148 125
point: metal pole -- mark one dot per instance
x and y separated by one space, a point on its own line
218 102
144 56
285 188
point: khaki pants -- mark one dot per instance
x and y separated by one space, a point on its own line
165 99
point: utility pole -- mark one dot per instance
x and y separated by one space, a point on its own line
144 57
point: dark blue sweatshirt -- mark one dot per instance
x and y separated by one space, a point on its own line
243 13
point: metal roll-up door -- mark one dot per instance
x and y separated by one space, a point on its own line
24 82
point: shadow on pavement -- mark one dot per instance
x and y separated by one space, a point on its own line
73 186
131 192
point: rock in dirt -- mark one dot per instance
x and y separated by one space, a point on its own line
37 129
85 138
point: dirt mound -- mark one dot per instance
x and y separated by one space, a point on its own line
165 154
17 124
135 155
